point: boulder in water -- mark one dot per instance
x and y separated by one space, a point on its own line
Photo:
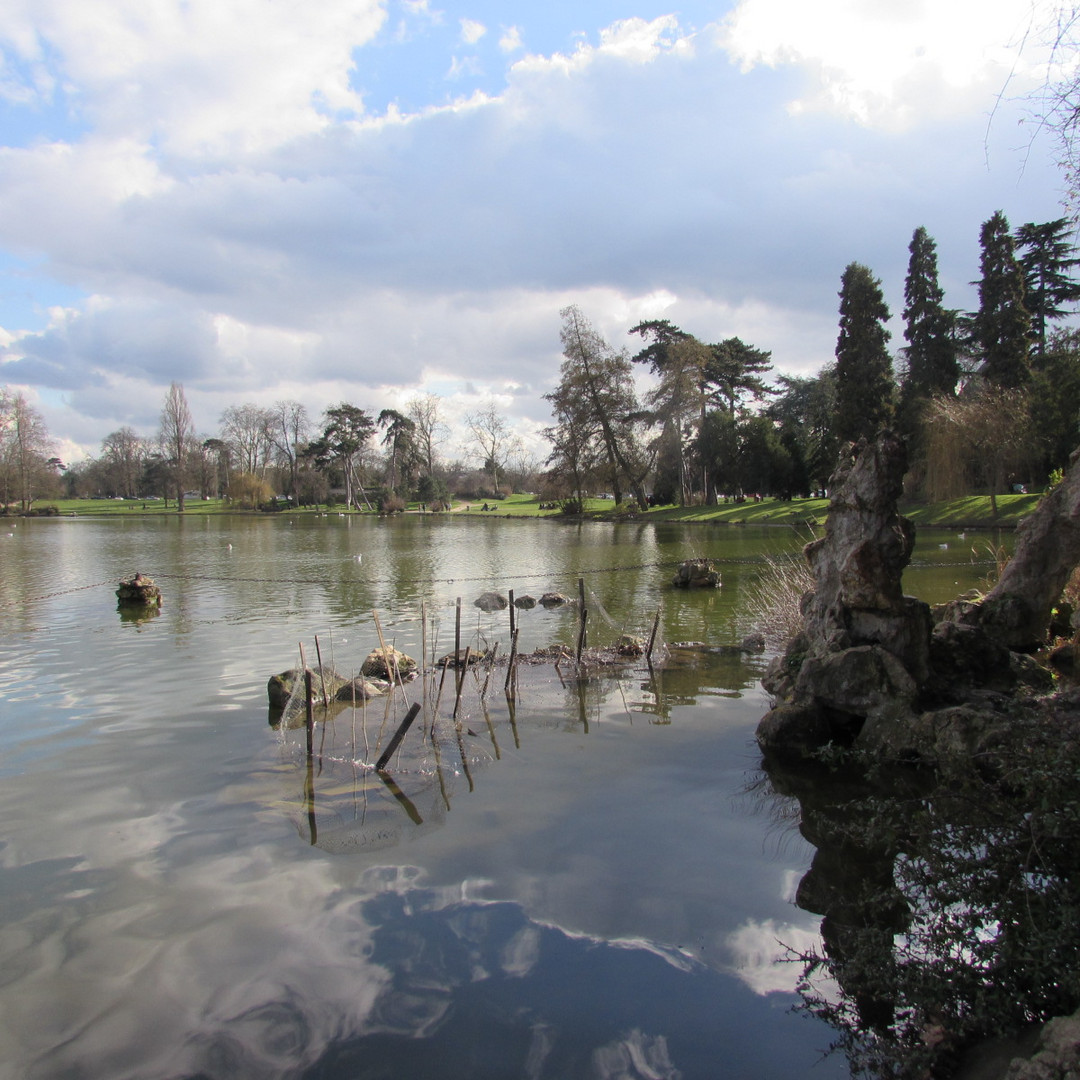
138 591
375 665
696 574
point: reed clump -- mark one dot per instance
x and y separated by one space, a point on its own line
772 602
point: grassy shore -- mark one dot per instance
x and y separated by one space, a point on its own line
970 512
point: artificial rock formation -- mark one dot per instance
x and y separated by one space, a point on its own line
138 591
696 574
864 648
874 667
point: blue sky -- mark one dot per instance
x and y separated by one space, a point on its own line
363 200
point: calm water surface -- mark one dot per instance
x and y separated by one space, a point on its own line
578 883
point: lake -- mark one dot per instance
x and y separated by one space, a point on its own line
581 878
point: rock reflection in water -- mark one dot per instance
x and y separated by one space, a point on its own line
950 907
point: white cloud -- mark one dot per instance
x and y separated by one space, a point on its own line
510 41
204 77
762 953
642 175
891 62
471 31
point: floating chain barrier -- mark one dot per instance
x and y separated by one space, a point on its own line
548 576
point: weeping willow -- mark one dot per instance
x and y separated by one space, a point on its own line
979 441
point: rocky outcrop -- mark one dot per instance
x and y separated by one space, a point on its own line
864 650
388 665
876 668
138 591
280 687
491 601
696 574
1018 610
553 599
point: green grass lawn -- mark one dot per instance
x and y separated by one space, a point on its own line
972 511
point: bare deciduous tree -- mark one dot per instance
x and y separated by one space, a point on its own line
423 411
177 437
492 440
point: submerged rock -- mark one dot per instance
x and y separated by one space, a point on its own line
491 601
553 599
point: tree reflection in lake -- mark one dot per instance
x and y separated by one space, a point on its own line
950 904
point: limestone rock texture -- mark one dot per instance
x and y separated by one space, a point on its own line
877 669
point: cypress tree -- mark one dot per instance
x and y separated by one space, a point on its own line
1002 325
932 366
1046 259
864 380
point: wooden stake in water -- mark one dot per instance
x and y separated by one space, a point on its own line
309 694
322 675
461 681
423 653
490 669
457 643
308 700
652 637
395 742
390 661
513 661
584 615
513 614
581 633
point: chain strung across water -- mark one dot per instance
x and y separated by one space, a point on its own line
548 576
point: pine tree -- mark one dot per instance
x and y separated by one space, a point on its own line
1045 259
864 378
932 366
1002 325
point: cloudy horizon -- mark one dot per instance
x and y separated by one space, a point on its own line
371 199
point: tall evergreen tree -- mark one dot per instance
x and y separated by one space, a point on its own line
932 366
865 388
1046 257
1002 326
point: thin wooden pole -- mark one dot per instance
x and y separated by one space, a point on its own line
309 694
491 668
584 615
461 681
395 742
581 633
390 662
457 641
423 653
513 614
322 675
652 636
438 696
309 716
513 661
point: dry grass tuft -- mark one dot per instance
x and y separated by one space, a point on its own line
771 603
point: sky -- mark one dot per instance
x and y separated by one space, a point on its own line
363 200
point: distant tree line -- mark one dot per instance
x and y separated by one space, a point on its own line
268 457
987 399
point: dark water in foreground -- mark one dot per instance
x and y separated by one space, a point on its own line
581 882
